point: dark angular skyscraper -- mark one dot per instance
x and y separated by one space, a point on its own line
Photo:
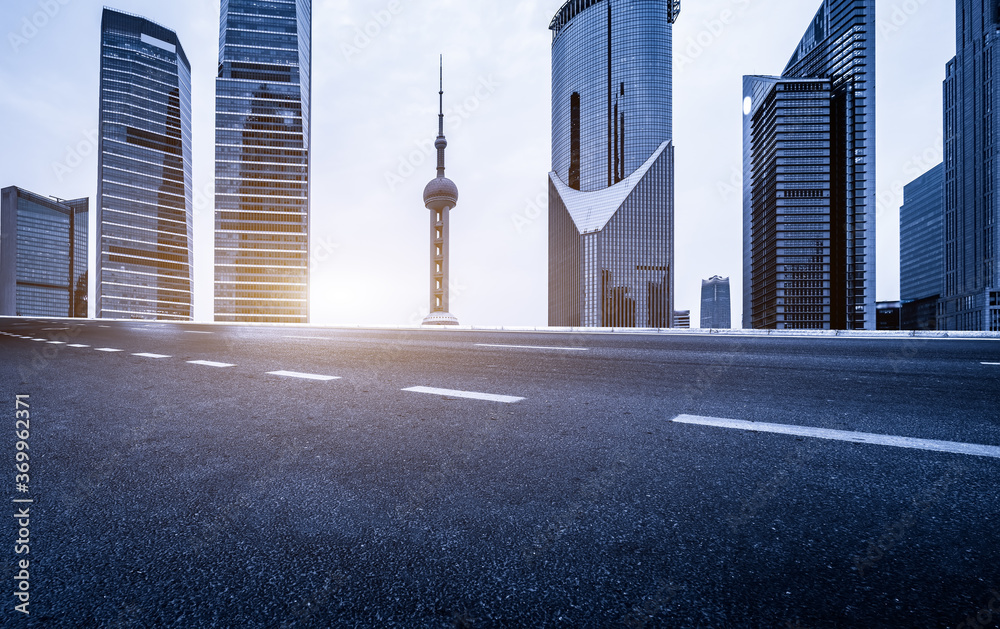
716 305
971 298
921 249
611 189
809 179
262 161
144 173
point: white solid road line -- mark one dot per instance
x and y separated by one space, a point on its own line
209 363
472 395
991 363
107 349
565 349
144 355
954 447
305 376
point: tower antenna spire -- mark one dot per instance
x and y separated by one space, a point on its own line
441 142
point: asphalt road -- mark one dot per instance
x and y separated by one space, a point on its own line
176 493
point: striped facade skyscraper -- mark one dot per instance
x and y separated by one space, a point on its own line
262 161
144 195
611 189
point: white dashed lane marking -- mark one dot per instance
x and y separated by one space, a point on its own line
145 355
107 349
472 395
953 447
198 332
304 376
209 363
310 338
77 345
991 364
57 342
564 349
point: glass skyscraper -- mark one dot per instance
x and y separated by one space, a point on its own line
611 189
262 161
809 179
43 255
144 194
971 297
921 249
716 305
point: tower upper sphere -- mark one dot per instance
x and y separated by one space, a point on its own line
441 192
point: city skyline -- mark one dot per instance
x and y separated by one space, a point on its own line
373 189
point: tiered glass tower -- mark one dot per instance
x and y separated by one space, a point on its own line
809 179
611 189
262 161
144 196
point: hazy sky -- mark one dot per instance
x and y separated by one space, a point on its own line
374 114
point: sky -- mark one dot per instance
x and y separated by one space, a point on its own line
374 116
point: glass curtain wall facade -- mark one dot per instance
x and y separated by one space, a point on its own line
611 187
788 207
971 297
263 93
144 194
838 50
716 305
921 249
43 255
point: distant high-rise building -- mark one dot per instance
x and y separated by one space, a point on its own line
716 305
681 319
809 179
611 189
262 161
43 255
888 315
440 197
921 249
144 195
971 292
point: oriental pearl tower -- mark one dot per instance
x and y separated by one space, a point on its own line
440 197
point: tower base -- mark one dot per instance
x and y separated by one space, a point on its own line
440 318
